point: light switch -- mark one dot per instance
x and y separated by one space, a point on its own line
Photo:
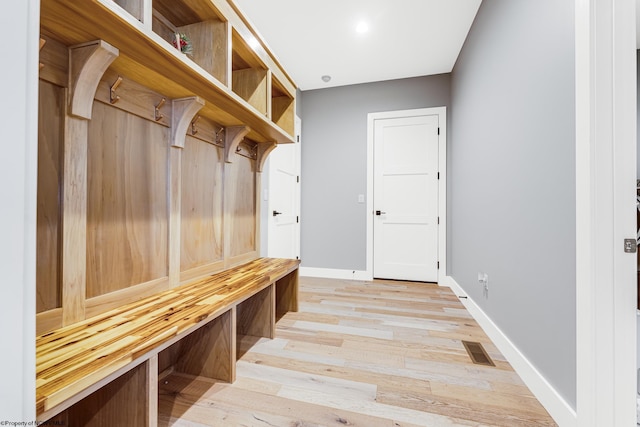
360 198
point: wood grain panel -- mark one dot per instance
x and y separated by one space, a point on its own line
209 40
251 85
189 12
54 56
134 7
203 270
163 27
210 350
74 358
256 315
127 202
201 210
283 111
102 303
287 294
175 203
50 140
74 220
48 320
134 98
123 402
240 217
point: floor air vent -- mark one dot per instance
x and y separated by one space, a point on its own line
477 353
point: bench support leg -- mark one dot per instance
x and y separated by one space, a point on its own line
287 294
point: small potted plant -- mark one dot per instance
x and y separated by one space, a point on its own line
183 43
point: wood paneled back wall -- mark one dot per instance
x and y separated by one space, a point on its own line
157 215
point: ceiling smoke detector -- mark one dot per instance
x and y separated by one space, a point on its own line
326 78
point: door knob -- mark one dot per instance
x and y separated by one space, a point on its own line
380 213
276 213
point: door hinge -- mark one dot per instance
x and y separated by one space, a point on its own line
438 131
297 219
297 257
298 138
438 175
438 265
630 246
438 220
298 179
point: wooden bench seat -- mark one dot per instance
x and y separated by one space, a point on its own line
78 359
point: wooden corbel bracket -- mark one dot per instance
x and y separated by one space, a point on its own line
88 63
233 135
264 149
184 109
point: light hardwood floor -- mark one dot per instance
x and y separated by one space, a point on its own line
364 354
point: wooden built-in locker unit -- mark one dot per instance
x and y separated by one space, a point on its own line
148 159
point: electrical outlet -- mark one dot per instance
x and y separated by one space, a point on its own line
483 279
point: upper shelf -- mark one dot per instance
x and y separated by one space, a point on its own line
225 47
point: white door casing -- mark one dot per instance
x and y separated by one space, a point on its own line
284 199
405 198
605 212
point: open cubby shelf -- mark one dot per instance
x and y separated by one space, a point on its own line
282 107
249 75
229 67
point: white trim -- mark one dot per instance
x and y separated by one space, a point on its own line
557 407
18 172
605 178
330 273
442 183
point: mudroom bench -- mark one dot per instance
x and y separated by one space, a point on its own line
105 370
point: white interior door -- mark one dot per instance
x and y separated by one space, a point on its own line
283 240
406 198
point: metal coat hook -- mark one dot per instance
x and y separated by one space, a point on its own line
157 114
193 125
218 138
113 98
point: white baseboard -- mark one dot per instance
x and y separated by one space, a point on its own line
557 407
329 273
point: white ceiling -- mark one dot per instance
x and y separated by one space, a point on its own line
406 38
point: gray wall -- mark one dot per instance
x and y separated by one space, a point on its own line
512 178
334 163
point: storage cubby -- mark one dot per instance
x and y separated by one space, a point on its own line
209 40
125 401
209 351
134 7
282 107
256 315
206 29
249 79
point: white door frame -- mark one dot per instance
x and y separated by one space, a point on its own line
19 174
605 212
442 183
266 213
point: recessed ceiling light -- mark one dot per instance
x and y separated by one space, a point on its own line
362 27
326 78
